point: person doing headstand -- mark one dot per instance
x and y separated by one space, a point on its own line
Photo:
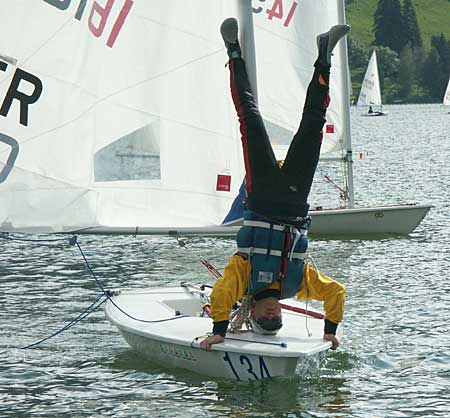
270 262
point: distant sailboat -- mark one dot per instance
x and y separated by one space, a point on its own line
370 94
446 100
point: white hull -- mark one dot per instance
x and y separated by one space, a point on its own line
375 114
398 219
370 220
243 357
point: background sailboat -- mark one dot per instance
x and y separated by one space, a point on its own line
285 51
446 100
370 94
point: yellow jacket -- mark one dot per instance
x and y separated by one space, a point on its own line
233 285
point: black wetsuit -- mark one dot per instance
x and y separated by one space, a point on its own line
274 192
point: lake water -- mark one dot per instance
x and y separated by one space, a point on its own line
394 360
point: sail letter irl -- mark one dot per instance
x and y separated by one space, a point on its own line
99 15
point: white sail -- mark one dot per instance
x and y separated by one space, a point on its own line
286 49
115 113
370 93
446 100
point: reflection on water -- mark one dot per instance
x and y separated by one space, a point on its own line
259 398
395 356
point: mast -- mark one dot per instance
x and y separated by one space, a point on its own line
345 74
247 41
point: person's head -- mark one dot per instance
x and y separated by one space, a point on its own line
265 316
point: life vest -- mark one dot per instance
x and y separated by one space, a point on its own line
276 251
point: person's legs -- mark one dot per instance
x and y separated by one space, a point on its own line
303 155
260 163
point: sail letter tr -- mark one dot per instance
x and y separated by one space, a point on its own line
14 93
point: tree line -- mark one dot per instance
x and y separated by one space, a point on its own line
408 71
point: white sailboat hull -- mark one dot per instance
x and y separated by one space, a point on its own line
334 222
175 343
395 219
377 113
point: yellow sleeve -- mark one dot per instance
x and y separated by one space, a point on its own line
230 288
317 286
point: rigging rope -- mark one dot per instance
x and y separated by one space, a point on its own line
73 241
75 321
211 269
242 314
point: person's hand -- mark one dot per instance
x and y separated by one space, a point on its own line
209 341
333 339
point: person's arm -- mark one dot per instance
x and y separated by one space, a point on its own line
317 286
226 292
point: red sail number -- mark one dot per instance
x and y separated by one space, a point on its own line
277 11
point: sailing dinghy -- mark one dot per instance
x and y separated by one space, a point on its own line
370 94
117 118
287 41
166 326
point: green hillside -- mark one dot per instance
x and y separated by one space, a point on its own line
407 79
433 17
